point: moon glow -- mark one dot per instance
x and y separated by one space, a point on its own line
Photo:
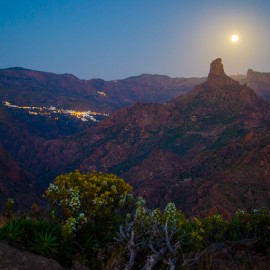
234 38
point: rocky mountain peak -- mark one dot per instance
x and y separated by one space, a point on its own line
217 74
216 68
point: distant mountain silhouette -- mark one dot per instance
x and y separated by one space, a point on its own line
34 88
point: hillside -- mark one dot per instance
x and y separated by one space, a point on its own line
54 106
173 150
26 87
15 182
207 150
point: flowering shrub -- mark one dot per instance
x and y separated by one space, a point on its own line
77 198
147 239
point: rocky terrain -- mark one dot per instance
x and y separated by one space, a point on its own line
200 150
12 257
207 150
33 106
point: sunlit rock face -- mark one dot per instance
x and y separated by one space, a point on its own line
217 75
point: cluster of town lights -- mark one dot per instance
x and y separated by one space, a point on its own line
50 111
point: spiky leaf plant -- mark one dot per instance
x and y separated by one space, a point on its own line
13 231
45 243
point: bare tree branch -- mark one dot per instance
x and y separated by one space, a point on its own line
168 242
132 250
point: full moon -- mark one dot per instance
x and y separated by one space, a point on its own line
234 38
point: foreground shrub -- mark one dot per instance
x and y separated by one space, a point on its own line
94 218
159 238
243 225
89 208
77 198
156 239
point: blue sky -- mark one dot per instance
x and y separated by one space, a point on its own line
115 39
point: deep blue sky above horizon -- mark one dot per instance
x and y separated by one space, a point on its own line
115 39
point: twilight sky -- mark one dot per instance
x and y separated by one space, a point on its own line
115 39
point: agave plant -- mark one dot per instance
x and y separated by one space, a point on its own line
13 231
45 243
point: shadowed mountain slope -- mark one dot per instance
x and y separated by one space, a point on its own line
15 182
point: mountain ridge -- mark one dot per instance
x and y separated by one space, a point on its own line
184 141
189 149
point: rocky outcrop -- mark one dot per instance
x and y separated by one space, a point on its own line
13 257
217 75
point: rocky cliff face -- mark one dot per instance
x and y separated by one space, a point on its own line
217 75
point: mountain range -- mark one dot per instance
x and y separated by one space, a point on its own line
200 142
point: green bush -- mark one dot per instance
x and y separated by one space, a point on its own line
76 198
13 231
